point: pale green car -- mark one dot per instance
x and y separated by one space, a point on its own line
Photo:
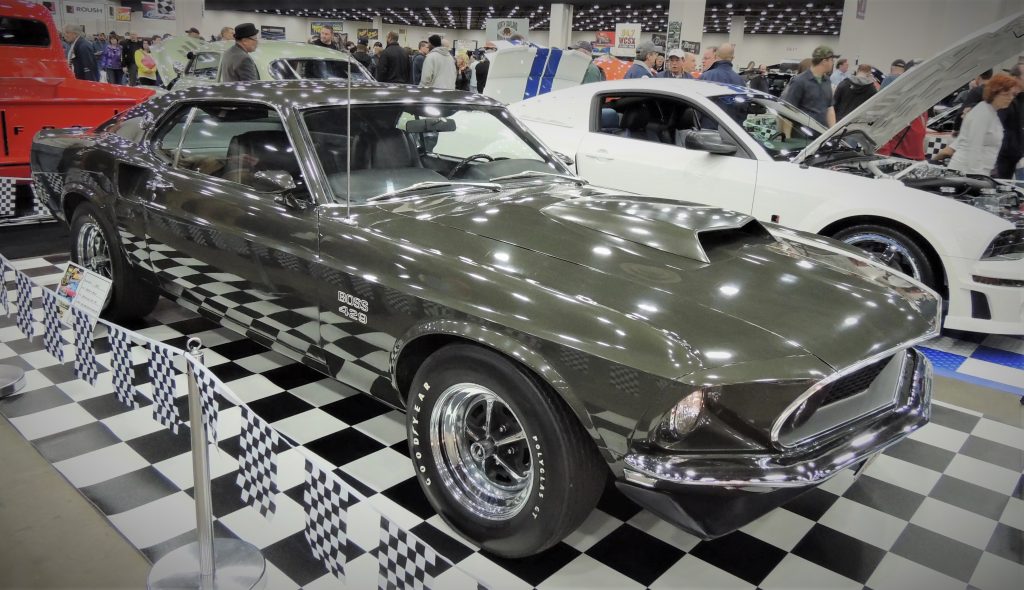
187 62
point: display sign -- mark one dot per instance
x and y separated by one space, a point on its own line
80 9
501 29
161 9
124 14
368 35
315 26
690 47
675 35
465 46
626 37
659 41
82 288
271 33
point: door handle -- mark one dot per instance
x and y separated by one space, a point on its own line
158 184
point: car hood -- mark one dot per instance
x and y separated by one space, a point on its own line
661 261
171 55
881 117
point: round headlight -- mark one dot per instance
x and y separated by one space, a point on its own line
686 414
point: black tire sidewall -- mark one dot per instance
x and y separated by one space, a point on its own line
119 266
922 260
537 524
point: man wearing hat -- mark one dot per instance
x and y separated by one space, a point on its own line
811 91
679 65
643 65
236 65
594 73
194 33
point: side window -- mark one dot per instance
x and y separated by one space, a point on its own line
640 117
25 32
205 65
236 142
168 136
279 70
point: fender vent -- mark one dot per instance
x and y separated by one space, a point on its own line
721 244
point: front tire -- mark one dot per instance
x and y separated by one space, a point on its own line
498 455
893 248
94 246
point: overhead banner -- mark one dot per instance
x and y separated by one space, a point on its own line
659 41
84 10
315 26
161 10
690 47
626 37
271 33
368 35
501 29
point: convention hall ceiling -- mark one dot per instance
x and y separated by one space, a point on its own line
809 17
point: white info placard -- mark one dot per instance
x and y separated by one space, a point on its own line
82 288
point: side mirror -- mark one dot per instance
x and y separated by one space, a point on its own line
567 160
708 141
279 181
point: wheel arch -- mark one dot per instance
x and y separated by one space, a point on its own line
933 256
410 352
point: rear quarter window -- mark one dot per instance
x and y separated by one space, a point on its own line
24 32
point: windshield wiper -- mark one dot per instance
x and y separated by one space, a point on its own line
431 184
529 173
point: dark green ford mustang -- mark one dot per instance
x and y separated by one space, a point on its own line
541 334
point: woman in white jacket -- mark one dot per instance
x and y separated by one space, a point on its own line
438 67
976 148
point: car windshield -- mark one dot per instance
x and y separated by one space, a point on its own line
779 127
429 146
315 69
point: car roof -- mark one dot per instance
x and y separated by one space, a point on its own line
277 49
688 87
300 94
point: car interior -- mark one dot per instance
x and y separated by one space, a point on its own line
660 120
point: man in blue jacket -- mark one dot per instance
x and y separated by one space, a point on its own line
721 70
643 65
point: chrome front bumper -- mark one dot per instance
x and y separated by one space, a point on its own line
714 495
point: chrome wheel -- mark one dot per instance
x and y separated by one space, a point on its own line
889 251
92 250
481 452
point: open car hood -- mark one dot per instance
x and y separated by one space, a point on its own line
173 53
880 118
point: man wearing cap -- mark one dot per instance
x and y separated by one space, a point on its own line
722 70
594 73
194 33
898 67
811 91
679 65
643 65
236 65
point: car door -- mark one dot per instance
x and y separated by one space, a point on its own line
224 238
635 145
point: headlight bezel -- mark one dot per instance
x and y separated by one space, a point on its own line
1007 245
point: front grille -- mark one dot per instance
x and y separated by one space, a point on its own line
851 384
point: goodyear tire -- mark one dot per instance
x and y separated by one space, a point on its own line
94 245
499 456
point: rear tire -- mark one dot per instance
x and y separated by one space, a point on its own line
893 247
94 245
499 456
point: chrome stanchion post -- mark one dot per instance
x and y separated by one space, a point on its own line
12 379
208 563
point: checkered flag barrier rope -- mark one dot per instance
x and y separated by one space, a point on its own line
121 364
5 305
405 562
24 317
53 340
325 502
257 467
8 197
208 385
161 375
86 368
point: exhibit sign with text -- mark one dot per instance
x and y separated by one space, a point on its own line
368 35
626 37
675 35
691 47
83 289
124 14
501 29
161 9
271 33
315 26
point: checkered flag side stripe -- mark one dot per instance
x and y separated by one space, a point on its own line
207 385
257 468
24 317
53 340
86 368
7 197
121 363
5 304
404 561
325 501
161 375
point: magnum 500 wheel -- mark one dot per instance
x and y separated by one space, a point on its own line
94 245
499 456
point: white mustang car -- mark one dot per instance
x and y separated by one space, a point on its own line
739 149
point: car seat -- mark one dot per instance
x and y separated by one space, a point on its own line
392 148
256 151
609 121
684 120
634 123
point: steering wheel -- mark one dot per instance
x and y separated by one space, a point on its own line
777 135
465 162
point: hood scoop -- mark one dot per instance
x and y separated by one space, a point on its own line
684 229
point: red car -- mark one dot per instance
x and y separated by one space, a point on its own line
39 91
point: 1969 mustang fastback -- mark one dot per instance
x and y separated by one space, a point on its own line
541 334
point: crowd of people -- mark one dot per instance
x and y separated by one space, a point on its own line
989 138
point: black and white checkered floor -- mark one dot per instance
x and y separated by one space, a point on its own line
943 509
